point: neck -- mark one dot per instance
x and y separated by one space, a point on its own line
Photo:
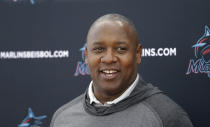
105 97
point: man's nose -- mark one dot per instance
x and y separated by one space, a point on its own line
109 57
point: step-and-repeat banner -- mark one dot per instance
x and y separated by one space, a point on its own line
42 44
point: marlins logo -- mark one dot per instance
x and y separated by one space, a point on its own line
202 54
82 67
31 120
202 47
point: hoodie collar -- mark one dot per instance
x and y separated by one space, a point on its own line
141 92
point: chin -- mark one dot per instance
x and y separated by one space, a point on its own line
111 88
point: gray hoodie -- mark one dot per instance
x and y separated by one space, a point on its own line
146 106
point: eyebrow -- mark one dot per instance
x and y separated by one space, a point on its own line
122 42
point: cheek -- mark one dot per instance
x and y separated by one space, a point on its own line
93 61
128 66
128 62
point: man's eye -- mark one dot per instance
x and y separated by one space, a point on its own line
121 49
98 49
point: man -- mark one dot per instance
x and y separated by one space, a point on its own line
117 96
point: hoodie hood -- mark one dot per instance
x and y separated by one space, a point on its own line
141 92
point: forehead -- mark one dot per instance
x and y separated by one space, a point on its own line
110 31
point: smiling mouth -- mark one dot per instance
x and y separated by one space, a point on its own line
109 74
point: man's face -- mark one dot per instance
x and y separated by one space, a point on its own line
112 55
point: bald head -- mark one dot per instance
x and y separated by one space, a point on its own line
116 20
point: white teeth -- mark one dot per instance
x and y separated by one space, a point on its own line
109 75
109 71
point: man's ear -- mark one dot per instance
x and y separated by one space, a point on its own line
86 55
138 53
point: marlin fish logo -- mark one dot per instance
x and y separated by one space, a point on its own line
202 53
31 120
202 47
82 67
83 51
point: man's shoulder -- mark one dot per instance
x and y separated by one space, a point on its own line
68 107
70 104
168 111
160 101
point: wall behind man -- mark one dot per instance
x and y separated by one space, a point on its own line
57 30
